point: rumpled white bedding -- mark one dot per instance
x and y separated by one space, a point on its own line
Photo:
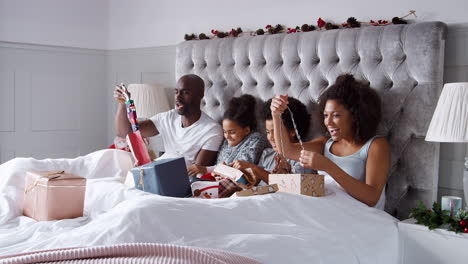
274 228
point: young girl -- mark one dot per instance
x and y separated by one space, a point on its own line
242 141
271 161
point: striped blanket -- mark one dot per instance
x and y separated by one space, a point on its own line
130 253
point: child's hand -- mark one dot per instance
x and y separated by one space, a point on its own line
217 176
282 165
240 164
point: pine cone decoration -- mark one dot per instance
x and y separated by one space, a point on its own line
306 28
221 34
397 20
190 37
203 36
233 33
276 29
260 31
352 22
329 26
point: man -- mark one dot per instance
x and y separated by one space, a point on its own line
186 130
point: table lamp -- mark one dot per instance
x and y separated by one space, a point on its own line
450 120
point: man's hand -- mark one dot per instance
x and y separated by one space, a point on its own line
121 94
195 169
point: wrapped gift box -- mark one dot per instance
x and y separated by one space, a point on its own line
258 190
307 184
52 195
167 177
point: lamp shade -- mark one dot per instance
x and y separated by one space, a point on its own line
450 120
150 99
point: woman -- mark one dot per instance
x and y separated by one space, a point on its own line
242 141
351 153
271 161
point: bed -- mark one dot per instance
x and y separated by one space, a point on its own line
404 63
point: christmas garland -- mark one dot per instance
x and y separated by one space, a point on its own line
437 217
321 25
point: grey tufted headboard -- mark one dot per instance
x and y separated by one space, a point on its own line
404 63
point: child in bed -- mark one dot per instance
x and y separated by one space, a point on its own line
242 140
271 161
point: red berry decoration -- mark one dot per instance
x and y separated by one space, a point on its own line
465 230
462 223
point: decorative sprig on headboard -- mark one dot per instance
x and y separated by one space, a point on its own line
351 22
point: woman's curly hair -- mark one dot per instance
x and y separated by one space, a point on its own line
242 111
361 100
300 113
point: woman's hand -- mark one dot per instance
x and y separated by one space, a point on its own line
240 164
195 169
279 103
314 160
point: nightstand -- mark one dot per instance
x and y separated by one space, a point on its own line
418 244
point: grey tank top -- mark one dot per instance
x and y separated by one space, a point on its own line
354 165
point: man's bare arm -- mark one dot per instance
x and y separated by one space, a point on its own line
206 157
122 125
148 129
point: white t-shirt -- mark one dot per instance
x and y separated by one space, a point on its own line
187 141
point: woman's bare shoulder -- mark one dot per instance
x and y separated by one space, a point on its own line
380 144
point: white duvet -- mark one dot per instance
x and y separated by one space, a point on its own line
275 228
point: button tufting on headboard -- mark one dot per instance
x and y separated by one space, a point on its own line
404 63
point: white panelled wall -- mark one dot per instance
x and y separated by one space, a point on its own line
52 101
57 101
